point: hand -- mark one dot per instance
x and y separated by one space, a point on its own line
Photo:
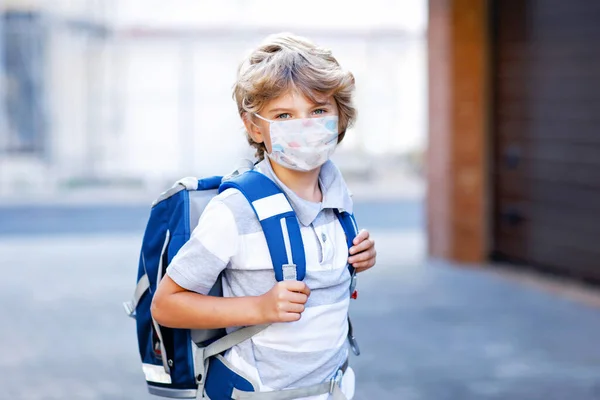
284 302
363 253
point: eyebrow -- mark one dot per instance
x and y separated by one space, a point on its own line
315 105
280 110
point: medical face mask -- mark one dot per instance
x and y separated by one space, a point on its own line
302 144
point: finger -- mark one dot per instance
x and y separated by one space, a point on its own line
362 235
364 256
294 285
363 266
305 290
297 286
362 246
293 308
290 317
298 298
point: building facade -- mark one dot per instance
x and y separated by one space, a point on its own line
514 137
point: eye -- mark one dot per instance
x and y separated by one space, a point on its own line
320 111
284 116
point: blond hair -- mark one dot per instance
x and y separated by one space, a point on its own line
283 62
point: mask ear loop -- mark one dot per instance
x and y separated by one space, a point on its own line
263 118
252 122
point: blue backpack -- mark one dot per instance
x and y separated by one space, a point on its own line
183 363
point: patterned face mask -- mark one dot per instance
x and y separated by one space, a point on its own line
302 144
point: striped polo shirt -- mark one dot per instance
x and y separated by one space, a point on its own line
229 238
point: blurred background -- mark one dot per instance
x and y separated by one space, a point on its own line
474 163
132 94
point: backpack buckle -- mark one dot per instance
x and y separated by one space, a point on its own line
352 340
353 282
243 166
354 345
129 309
336 380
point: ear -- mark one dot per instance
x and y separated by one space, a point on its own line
252 128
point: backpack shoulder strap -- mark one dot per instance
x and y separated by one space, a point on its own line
350 229
278 220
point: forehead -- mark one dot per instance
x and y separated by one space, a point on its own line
295 99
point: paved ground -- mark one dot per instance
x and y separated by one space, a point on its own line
428 331
91 218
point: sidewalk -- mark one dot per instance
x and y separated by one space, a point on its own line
428 330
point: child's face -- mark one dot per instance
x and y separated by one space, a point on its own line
292 105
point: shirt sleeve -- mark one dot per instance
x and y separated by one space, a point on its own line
199 262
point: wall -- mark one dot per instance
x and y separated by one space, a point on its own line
457 205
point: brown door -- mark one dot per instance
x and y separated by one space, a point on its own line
546 124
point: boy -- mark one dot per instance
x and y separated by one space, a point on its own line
296 104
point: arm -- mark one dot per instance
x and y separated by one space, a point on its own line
176 307
181 299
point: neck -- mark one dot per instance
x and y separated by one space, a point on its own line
304 184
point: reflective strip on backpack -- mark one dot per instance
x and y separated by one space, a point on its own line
155 373
289 269
165 247
270 206
163 351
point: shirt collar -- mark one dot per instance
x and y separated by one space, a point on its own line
333 187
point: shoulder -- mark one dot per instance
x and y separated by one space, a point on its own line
236 203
